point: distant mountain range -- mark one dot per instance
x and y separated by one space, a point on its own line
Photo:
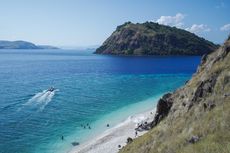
151 38
22 45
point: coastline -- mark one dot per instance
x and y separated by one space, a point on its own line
109 140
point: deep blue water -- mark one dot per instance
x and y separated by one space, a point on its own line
88 88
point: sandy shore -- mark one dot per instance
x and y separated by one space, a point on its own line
109 140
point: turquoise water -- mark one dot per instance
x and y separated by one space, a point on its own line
90 89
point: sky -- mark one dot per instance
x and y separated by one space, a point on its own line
77 23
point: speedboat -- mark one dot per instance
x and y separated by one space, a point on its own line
51 89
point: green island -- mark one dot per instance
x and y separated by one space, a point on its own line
151 38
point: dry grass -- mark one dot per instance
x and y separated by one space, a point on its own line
211 125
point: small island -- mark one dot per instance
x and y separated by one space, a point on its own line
151 38
22 45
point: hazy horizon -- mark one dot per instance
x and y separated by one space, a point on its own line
88 23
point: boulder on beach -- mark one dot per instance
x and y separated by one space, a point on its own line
75 143
129 140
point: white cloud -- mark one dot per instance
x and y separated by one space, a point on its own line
225 27
196 28
177 21
172 20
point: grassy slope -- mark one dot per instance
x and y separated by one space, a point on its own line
212 125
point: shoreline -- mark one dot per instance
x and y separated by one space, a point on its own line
110 139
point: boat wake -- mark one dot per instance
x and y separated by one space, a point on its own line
41 99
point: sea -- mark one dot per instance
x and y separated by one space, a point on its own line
90 91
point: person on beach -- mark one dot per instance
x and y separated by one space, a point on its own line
135 133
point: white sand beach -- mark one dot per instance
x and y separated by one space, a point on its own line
109 140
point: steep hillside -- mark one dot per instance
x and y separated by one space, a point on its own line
196 117
154 39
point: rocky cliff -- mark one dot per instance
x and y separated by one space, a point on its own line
196 117
154 39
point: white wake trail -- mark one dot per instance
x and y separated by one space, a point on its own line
36 97
45 99
41 99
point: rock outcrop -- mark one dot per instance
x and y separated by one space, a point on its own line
196 117
154 39
163 107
